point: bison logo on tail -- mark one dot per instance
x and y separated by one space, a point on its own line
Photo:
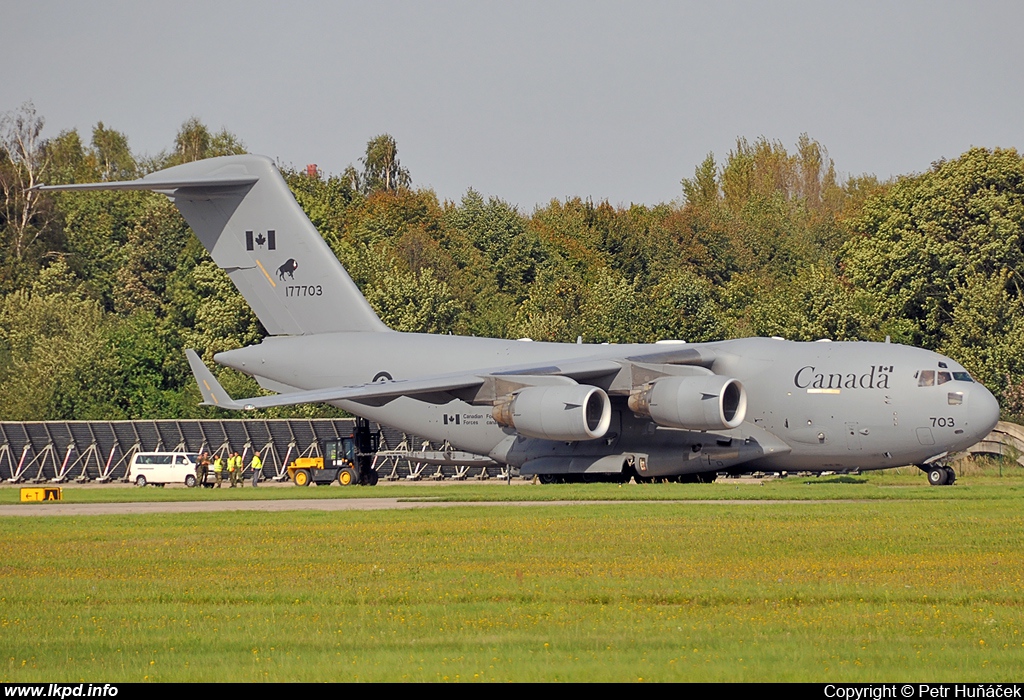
289 268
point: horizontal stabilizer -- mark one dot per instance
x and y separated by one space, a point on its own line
158 185
213 393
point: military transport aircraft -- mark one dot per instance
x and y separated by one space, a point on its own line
566 412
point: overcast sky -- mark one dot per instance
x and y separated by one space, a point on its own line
530 101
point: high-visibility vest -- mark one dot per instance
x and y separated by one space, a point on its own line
257 463
217 464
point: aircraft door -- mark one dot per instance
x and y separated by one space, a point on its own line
925 437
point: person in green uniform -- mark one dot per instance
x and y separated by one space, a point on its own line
202 468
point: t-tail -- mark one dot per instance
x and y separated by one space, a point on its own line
243 212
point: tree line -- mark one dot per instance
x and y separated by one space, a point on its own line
100 292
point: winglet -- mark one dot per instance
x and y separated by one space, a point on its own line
213 393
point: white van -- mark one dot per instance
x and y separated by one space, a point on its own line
163 468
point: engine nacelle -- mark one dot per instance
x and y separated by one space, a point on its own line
557 412
705 402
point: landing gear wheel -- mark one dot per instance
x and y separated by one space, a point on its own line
950 476
547 478
140 480
347 476
372 477
937 476
190 481
302 477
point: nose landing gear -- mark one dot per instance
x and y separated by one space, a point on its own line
939 475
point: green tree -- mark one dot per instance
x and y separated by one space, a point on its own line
551 312
114 157
703 190
499 232
196 142
613 312
325 200
212 315
49 334
684 307
815 304
152 253
986 333
382 171
925 236
68 160
387 216
413 303
23 163
96 228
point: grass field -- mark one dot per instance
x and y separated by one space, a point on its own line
982 480
924 586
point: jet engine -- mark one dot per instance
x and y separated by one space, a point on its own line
558 412
706 402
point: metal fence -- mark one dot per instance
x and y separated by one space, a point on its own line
64 451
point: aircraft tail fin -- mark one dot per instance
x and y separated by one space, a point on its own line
241 209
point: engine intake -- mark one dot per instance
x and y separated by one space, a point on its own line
707 402
559 412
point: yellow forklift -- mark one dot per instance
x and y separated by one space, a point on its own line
349 460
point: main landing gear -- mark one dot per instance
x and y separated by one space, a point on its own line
939 475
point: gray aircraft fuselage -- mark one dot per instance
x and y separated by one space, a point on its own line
811 406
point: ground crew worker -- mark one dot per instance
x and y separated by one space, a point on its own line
218 469
202 468
257 468
233 468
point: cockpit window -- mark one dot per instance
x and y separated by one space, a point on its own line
930 377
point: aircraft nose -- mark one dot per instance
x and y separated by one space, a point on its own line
984 411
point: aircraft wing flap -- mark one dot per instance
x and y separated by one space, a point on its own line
685 355
576 369
589 369
377 394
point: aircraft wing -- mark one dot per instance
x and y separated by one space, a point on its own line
440 388
215 395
